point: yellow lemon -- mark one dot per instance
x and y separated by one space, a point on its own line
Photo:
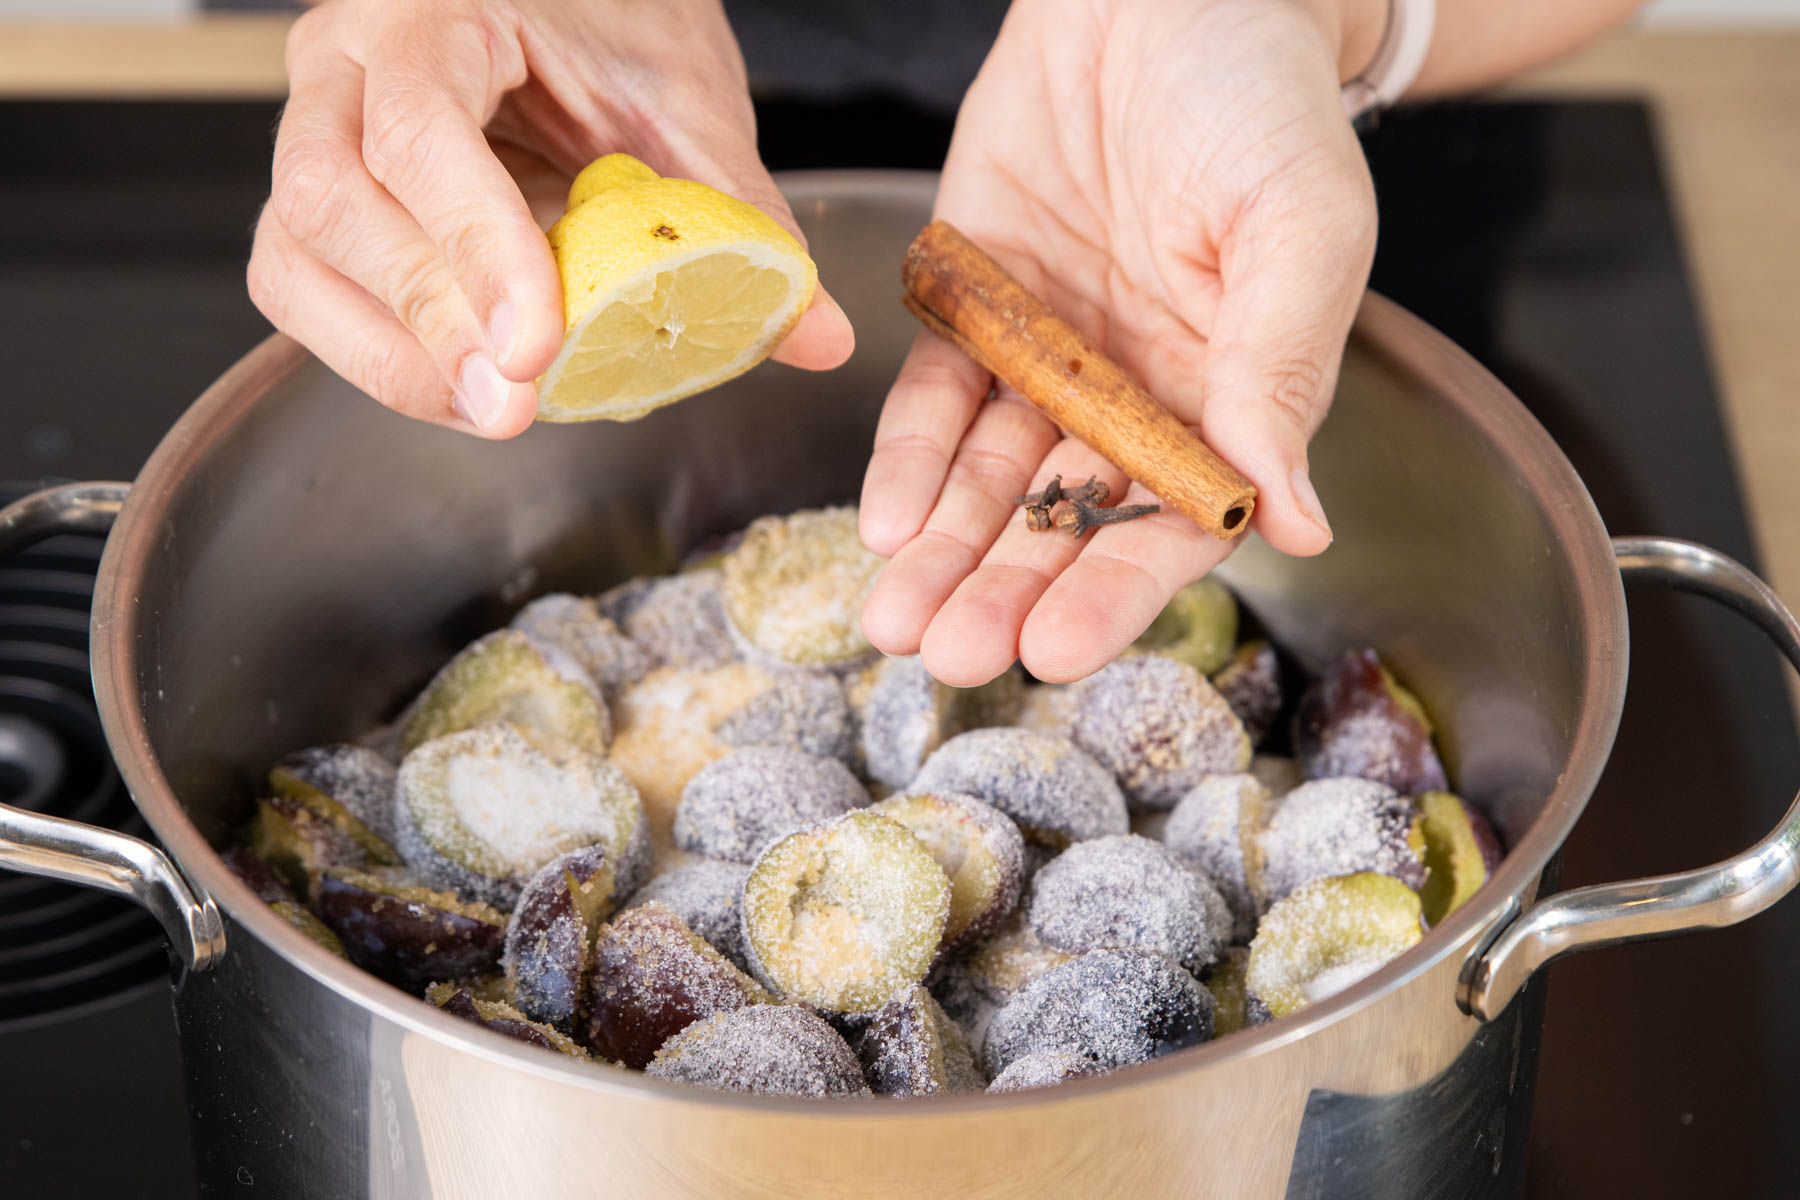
669 287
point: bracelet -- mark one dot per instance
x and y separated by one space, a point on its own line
1397 60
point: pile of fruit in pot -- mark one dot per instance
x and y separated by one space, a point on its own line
696 826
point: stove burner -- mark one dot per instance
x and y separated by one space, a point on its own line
60 945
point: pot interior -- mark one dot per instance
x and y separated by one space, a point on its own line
296 561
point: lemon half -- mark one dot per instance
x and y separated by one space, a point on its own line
669 288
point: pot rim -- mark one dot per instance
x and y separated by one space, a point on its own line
1383 326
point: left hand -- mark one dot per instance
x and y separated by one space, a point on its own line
1177 179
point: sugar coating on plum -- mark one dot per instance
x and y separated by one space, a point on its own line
797 711
480 811
1215 827
652 978
1128 892
795 586
1198 626
777 1049
979 848
1116 1007
298 844
1044 1068
845 914
573 624
511 678
707 894
500 1017
1251 685
910 1048
1053 790
1339 827
1159 726
549 937
679 620
355 779
742 802
973 985
1328 934
407 934
1356 719
907 714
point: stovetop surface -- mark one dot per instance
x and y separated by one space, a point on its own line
1539 237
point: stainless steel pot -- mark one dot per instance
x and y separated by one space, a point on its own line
293 560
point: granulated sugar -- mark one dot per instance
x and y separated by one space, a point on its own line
574 625
356 777
1337 827
679 620
707 894
910 1048
1325 936
550 932
800 710
1116 1007
979 848
1128 892
775 1048
795 587
737 805
1044 1068
1215 827
1054 791
1159 726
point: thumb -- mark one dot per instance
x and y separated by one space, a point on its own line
1291 286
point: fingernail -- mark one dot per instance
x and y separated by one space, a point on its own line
481 392
1307 499
503 330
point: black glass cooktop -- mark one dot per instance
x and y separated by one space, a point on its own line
1538 236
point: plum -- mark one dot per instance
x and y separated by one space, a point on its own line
779 1049
510 677
1115 1007
1128 892
1338 827
1356 719
1198 626
1251 685
1044 1068
1461 850
845 914
972 985
707 894
1159 726
500 1017
1215 827
299 844
573 624
906 715
797 711
1325 936
350 786
550 935
482 810
742 802
1225 980
1053 790
910 1048
794 589
408 935
679 621
270 888
652 978
979 848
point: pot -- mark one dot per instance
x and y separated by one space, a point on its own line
294 560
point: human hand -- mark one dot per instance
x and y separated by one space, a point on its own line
398 244
1177 179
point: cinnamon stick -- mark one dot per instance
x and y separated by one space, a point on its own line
965 296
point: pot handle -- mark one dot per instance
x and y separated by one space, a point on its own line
85 854
1722 894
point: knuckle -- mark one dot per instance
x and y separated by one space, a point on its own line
398 144
310 190
1294 389
416 289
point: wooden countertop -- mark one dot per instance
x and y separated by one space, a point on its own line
1728 106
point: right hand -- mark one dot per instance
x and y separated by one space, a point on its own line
398 243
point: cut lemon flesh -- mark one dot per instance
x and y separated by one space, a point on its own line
669 288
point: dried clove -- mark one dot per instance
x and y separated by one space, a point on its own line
1079 517
1094 491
